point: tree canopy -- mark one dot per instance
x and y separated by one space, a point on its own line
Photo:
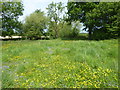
55 14
35 24
10 14
98 17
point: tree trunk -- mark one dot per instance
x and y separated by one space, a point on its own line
90 34
56 30
56 34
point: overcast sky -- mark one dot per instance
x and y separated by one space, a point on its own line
31 5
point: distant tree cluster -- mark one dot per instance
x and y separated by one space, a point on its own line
101 20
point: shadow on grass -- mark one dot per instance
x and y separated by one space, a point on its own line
76 38
80 37
85 37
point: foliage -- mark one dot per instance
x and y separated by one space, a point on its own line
78 11
10 14
60 64
55 15
97 17
58 27
75 30
104 20
35 24
69 30
65 31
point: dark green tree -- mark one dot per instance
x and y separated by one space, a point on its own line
104 20
78 11
98 18
10 14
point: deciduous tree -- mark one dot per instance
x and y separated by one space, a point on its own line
10 14
78 11
35 24
100 19
55 15
104 20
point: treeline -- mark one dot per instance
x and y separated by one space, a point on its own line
100 19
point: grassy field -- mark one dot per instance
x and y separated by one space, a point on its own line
60 64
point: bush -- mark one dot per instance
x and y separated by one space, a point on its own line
68 32
102 34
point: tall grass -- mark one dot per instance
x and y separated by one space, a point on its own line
59 63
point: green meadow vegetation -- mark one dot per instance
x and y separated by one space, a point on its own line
60 64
